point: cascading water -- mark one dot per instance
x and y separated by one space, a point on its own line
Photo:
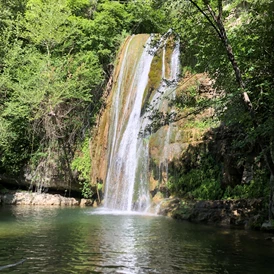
170 93
160 101
123 158
127 179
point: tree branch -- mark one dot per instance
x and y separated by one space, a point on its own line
207 18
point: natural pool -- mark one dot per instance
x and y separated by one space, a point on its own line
84 240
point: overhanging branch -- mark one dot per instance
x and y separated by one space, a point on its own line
207 18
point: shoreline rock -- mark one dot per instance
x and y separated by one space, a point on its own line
243 213
41 199
87 202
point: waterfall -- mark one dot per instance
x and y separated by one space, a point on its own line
170 93
127 178
123 160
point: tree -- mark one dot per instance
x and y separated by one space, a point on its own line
248 37
216 21
49 91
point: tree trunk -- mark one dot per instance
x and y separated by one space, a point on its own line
271 206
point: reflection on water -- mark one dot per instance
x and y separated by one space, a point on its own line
75 240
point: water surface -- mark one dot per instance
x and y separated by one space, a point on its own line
75 240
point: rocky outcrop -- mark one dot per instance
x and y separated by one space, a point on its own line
269 227
25 182
41 199
180 142
241 213
88 202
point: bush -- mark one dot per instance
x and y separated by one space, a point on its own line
201 183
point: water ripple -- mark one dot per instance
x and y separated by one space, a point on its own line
83 241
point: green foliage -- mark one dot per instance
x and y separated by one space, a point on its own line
99 186
109 28
82 164
256 188
201 182
48 88
208 190
86 190
14 144
201 124
46 23
82 8
53 59
249 27
54 56
145 18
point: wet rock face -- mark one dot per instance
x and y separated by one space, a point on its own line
186 137
100 144
41 199
241 213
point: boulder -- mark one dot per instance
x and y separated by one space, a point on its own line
41 199
241 213
268 226
86 202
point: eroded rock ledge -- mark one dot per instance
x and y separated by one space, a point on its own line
42 199
249 214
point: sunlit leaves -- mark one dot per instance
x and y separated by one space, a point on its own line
46 22
110 21
47 83
148 16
